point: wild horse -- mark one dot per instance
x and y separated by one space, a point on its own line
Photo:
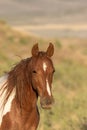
20 88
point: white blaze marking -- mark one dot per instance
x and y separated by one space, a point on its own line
7 107
48 87
44 66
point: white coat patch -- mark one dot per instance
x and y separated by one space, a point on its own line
44 66
7 107
48 87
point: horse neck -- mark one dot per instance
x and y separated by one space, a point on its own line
27 97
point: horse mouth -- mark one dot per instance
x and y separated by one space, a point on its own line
46 106
46 103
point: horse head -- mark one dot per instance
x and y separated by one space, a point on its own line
42 71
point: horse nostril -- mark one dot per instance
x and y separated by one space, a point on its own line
48 101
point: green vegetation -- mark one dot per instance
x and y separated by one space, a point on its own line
69 111
58 44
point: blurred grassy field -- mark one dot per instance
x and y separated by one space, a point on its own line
70 80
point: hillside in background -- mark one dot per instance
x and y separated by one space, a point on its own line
70 80
43 11
56 18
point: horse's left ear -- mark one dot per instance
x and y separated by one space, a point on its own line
50 50
35 50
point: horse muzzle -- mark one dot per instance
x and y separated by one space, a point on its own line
46 102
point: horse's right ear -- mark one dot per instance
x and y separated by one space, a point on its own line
35 50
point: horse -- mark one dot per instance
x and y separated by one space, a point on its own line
20 88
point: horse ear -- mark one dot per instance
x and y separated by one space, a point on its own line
35 50
50 50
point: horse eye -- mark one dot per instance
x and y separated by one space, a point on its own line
34 72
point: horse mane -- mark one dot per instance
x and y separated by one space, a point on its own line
18 78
